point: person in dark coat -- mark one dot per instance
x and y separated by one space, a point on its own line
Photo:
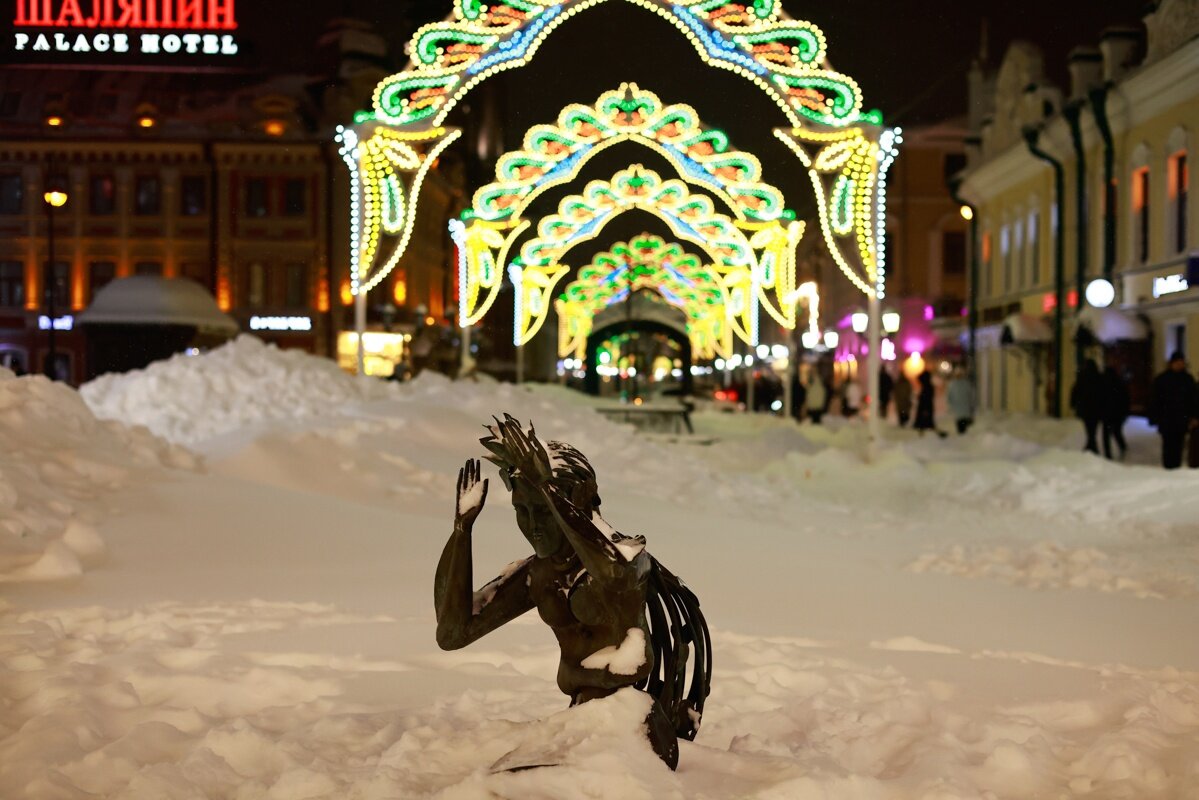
1172 409
1086 398
799 396
1116 405
924 404
902 392
885 385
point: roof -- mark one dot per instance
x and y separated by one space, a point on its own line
153 300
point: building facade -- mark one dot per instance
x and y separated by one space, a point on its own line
1083 185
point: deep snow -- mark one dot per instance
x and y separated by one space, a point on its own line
961 618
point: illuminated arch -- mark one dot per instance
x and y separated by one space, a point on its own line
551 155
647 262
784 58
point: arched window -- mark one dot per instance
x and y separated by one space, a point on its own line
1005 256
1032 240
1177 179
256 294
1018 250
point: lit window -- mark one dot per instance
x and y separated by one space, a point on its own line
1178 176
1140 214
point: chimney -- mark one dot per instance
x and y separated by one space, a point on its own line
1086 71
1119 47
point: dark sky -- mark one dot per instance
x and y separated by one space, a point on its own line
909 57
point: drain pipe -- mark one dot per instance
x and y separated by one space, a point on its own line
1073 115
1099 109
1031 136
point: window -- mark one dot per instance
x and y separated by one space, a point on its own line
1034 247
147 268
102 195
1178 179
99 275
297 286
1140 215
256 294
986 259
147 195
295 197
12 284
1018 252
953 252
60 283
193 196
12 194
13 359
1005 255
256 200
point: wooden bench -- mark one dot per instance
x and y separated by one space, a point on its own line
659 419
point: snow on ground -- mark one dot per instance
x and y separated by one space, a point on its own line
58 464
970 617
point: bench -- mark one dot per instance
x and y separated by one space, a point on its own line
658 419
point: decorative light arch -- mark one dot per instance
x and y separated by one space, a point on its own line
782 57
647 262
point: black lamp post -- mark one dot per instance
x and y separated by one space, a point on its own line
55 197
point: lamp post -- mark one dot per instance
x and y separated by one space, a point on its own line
54 197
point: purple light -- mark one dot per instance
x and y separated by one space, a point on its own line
928 313
913 345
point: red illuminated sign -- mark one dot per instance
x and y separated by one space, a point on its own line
136 27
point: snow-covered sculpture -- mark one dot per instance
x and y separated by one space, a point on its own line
621 618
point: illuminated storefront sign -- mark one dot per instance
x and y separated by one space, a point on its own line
1169 284
153 28
64 323
280 323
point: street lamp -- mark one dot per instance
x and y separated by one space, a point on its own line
55 196
891 321
860 320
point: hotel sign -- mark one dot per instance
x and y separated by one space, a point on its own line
122 30
1169 284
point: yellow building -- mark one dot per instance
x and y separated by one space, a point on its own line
1070 188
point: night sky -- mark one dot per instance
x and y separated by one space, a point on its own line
909 57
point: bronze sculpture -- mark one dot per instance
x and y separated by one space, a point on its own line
620 617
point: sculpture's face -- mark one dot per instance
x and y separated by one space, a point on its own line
536 520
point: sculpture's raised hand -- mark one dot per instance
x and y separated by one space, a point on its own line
472 494
525 452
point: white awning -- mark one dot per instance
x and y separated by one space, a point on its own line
1026 329
153 300
1112 325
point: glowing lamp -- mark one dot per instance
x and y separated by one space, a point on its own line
779 351
763 350
967 213
831 339
860 321
274 127
56 198
430 320
54 121
146 121
719 363
1100 293
809 339
735 361
891 321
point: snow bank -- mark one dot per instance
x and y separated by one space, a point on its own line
189 399
57 465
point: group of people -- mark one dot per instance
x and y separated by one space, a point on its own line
1101 400
813 399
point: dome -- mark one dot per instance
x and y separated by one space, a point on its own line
154 300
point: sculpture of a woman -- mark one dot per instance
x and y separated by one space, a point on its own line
620 618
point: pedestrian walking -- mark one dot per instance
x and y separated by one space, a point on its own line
959 397
902 393
799 397
924 404
1115 407
1086 398
1172 409
816 398
851 398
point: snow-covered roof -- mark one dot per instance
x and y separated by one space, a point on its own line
1027 329
153 300
1112 325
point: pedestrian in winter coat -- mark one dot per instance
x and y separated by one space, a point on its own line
799 397
924 404
959 396
1115 409
902 393
1086 398
816 399
886 385
1172 409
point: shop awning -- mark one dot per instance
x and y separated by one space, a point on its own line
1112 325
1026 329
153 300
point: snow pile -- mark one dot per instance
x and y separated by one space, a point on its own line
58 464
189 399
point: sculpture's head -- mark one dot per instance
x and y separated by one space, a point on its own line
571 476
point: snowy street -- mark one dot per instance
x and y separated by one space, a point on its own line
242 608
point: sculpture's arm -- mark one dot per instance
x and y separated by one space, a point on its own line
464 615
601 557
